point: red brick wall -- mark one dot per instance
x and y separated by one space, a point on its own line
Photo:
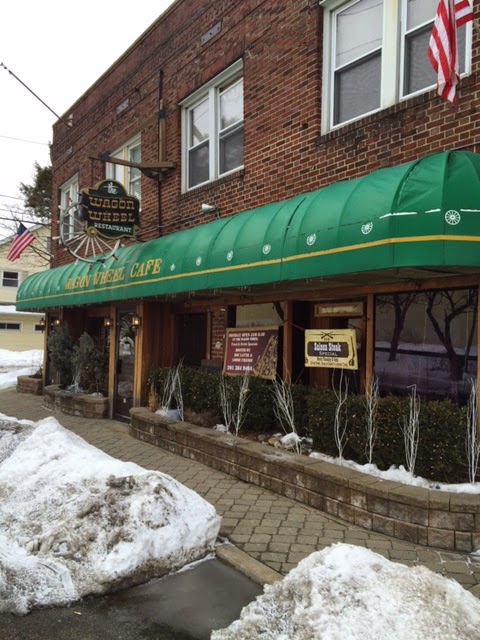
217 336
284 151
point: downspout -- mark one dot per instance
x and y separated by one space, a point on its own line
161 146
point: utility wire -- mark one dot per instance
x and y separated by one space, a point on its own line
43 144
2 195
34 94
44 224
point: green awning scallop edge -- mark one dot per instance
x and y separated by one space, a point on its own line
425 213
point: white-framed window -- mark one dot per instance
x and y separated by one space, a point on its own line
10 279
68 195
130 177
375 55
38 328
10 326
212 129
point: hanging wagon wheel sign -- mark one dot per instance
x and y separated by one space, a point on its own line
92 228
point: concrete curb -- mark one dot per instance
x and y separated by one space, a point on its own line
242 562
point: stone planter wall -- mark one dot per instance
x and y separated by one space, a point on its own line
432 518
28 384
75 404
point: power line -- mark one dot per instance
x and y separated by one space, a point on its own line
34 222
43 144
2 195
15 213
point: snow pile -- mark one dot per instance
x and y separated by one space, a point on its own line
350 592
19 359
75 521
18 363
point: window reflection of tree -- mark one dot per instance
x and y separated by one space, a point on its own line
127 336
450 321
443 308
401 303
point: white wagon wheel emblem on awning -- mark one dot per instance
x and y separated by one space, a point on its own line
452 217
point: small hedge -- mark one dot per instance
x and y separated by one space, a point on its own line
441 448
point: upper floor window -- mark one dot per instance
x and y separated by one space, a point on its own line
130 177
68 196
10 278
375 54
212 129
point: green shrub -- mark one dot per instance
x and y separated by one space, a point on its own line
300 395
260 416
389 448
321 405
60 350
441 448
89 363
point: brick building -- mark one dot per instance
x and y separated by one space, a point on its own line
297 170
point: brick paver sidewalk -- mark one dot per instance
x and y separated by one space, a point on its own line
275 530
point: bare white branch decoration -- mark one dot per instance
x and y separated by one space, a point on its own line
341 420
411 429
472 443
284 410
371 406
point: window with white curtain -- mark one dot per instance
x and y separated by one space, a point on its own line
212 129
68 196
129 177
375 54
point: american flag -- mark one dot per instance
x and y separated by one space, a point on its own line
442 49
22 240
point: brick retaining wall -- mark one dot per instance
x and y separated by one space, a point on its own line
29 384
432 518
75 404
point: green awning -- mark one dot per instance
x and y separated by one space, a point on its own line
423 214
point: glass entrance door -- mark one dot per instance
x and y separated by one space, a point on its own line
124 367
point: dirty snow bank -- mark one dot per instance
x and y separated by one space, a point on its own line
18 363
75 521
350 592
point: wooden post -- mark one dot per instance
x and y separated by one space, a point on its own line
478 352
369 339
140 365
112 359
287 341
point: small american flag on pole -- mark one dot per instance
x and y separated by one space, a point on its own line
442 49
22 240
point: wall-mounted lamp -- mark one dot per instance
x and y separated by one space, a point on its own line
209 208
136 322
107 322
57 322
42 324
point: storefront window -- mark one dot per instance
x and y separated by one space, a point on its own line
427 339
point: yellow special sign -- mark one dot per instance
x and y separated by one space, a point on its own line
137 270
332 348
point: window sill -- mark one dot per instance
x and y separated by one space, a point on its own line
390 112
235 175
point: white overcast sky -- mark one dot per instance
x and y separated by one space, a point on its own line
58 48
